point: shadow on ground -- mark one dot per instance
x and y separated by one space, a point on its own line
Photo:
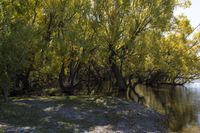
78 114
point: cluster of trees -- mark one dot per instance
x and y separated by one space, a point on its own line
85 44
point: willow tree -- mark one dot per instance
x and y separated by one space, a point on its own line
18 43
120 27
90 42
66 35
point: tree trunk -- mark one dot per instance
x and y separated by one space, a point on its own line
117 74
5 93
132 87
68 89
119 78
24 79
5 86
64 89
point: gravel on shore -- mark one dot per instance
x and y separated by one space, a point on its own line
79 115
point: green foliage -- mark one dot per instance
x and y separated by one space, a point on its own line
52 92
143 37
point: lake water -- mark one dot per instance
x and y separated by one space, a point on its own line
181 105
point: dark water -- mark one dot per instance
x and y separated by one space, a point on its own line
181 105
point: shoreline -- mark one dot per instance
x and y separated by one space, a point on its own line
82 114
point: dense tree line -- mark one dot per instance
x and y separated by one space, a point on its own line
95 46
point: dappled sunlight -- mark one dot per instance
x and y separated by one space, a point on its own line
117 66
22 104
53 109
103 129
3 125
60 115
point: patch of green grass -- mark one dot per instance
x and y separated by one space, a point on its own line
20 114
52 92
1 130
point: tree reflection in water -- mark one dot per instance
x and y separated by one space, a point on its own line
181 105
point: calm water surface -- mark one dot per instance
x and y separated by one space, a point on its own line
181 105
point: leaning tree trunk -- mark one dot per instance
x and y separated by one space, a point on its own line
132 87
